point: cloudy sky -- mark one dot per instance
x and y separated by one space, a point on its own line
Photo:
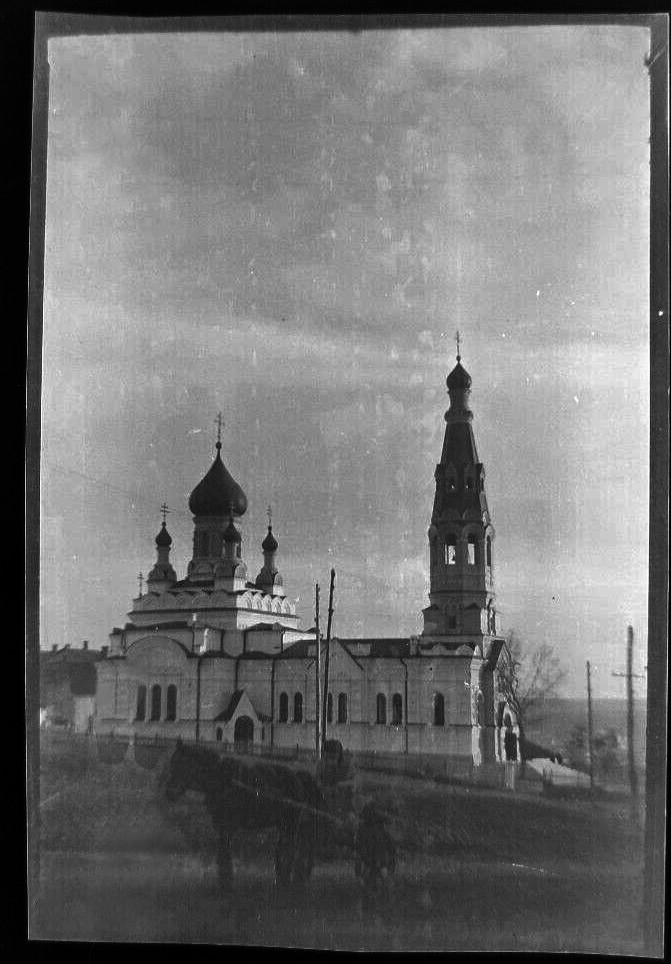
289 228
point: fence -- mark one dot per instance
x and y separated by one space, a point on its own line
147 750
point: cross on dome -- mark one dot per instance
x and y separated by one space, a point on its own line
164 511
219 421
458 338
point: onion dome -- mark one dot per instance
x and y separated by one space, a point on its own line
163 539
231 534
270 543
218 493
458 380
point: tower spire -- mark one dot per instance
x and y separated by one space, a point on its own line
458 338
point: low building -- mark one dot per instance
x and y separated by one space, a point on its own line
68 687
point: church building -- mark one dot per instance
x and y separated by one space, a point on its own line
218 656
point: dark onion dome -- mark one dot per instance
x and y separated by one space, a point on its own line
218 493
270 543
163 538
231 534
458 379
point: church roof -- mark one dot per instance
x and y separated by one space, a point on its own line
218 493
227 713
459 444
270 543
458 379
163 538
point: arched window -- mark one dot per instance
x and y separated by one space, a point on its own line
155 703
451 619
171 703
397 709
473 550
298 708
141 711
220 733
450 550
381 708
329 708
451 483
284 708
438 709
342 707
489 551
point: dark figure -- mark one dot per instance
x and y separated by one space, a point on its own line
251 795
375 850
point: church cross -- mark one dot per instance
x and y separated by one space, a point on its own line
458 337
269 513
140 579
164 511
219 422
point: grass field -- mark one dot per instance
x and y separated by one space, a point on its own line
480 870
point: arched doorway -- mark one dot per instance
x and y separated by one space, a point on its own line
243 734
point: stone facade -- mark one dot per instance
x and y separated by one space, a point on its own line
219 657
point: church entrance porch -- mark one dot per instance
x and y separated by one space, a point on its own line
243 733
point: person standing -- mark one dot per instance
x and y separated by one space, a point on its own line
510 748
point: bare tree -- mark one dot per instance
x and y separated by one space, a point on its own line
527 677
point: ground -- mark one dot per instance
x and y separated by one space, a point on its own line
478 869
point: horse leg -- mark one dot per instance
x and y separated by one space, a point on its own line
224 861
304 851
284 854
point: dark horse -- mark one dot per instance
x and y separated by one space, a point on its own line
252 795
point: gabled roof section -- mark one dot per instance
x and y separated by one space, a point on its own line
227 713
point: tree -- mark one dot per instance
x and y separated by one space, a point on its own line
526 678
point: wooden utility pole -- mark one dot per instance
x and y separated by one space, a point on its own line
318 674
326 661
590 727
630 677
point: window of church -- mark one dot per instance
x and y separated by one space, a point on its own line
489 551
329 708
171 704
451 620
155 704
451 550
397 709
342 708
473 554
284 708
141 711
438 709
298 708
381 708
451 485
220 733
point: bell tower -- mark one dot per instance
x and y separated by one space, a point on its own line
461 535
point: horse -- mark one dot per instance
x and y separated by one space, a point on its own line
252 795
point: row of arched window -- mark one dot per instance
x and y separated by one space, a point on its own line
396 715
297 717
473 550
156 704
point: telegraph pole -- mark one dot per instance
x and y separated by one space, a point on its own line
318 660
630 676
326 661
590 727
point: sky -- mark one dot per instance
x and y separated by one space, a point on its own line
289 228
